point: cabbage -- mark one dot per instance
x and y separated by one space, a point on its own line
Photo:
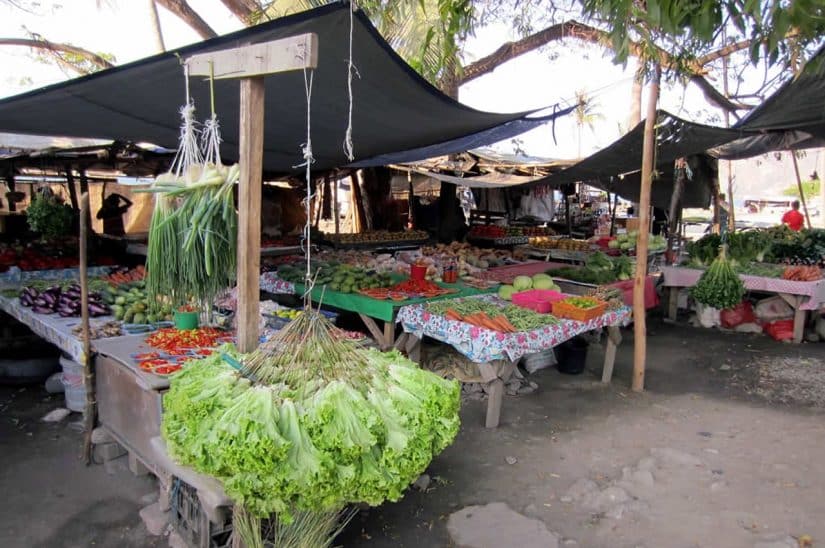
506 292
522 283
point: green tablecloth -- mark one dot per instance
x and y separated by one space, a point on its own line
380 310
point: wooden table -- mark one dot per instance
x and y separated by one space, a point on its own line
497 356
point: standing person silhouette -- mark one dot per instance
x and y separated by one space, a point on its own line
793 218
112 214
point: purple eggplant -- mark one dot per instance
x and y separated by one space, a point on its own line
49 298
65 312
42 310
98 309
26 300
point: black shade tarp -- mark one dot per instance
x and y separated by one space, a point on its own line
617 167
394 108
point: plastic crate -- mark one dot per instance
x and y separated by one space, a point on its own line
192 523
562 309
539 300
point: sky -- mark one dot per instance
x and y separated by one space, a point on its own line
534 80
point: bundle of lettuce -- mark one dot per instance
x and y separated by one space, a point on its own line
309 422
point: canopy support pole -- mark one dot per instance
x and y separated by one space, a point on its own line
648 152
249 211
801 190
90 410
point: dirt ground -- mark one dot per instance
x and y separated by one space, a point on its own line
724 449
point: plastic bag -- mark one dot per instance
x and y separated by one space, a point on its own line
739 314
772 309
708 316
780 330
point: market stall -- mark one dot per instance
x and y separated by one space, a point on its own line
497 353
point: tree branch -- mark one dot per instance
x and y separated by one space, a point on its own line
245 10
586 33
184 11
57 48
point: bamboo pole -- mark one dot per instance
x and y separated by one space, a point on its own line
89 413
335 211
801 190
648 150
673 212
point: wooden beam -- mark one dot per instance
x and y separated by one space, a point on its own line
293 53
648 152
90 408
249 211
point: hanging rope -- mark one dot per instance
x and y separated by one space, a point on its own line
351 69
306 241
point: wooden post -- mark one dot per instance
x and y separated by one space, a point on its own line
801 190
673 216
648 150
249 211
72 189
88 365
335 211
613 213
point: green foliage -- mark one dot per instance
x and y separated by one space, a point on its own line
49 216
809 188
719 286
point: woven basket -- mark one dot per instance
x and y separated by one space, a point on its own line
562 309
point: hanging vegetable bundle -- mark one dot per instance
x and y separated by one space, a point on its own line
193 232
719 286
323 423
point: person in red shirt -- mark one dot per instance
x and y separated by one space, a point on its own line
793 218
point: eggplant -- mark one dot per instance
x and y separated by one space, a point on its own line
41 301
42 310
26 300
31 292
65 312
96 309
72 294
54 289
50 298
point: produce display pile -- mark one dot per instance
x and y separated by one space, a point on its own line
774 245
376 237
32 256
49 216
474 311
339 277
63 301
802 273
719 286
314 423
629 241
523 283
598 269
564 244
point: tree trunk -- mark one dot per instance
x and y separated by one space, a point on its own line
636 98
55 47
154 21
648 153
245 10
184 11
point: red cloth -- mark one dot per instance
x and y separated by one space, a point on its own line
793 219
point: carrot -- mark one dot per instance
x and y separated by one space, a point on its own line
451 314
504 323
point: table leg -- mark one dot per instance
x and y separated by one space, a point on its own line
672 303
373 329
389 335
401 341
413 348
614 339
495 394
799 317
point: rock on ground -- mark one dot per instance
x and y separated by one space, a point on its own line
674 457
155 519
495 525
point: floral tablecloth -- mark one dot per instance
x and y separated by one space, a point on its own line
271 283
677 276
484 345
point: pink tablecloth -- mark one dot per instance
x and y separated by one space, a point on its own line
505 274
675 276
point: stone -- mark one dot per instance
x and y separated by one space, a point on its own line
108 451
155 519
176 541
717 486
569 542
566 499
101 435
56 415
675 457
608 498
495 525
625 509
510 460
646 463
724 367
780 540
711 450
582 487
422 482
